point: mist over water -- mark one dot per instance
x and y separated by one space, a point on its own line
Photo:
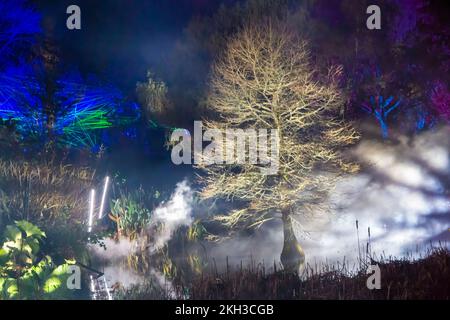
399 194
173 214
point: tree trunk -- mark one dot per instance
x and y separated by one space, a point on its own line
292 257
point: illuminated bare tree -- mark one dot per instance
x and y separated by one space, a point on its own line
154 97
265 80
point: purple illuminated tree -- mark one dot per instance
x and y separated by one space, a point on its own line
440 101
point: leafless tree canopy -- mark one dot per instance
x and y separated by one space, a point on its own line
265 80
154 97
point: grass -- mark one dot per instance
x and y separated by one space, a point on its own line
54 197
37 191
426 278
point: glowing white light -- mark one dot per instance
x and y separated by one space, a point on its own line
107 288
102 204
94 294
91 210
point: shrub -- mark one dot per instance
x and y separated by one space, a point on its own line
24 272
132 211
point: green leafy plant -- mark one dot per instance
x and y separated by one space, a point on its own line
25 273
196 231
132 211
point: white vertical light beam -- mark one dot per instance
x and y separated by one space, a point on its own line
107 288
91 210
102 204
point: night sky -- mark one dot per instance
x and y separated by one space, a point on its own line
120 40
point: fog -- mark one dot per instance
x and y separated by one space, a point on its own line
399 194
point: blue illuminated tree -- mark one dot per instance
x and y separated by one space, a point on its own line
20 91
19 26
20 102
39 105
381 108
86 107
